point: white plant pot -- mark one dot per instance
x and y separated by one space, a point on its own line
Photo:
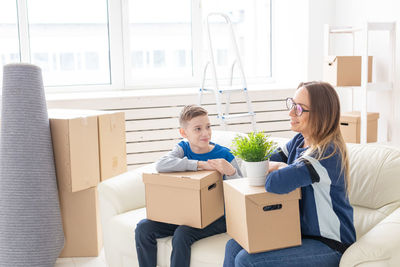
256 172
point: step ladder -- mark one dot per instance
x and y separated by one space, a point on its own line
226 91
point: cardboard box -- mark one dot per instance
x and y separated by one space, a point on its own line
111 139
112 144
350 126
76 152
345 70
260 221
184 198
81 223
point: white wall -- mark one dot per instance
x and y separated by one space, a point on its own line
290 31
298 39
355 13
320 12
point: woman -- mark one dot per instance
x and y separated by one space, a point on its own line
315 160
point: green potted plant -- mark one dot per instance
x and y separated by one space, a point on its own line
255 149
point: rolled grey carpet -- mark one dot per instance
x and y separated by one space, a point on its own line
31 231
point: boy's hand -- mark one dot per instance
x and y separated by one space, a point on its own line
204 165
274 165
222 166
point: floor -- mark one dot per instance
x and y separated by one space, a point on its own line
99 261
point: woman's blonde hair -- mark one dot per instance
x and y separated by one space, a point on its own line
324 121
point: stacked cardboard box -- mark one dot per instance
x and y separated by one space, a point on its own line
89 147
345 70
350 123
261 221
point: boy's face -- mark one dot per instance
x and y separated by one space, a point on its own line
198 132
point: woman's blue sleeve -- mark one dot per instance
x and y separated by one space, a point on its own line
281 154
304 172
287 179
277 156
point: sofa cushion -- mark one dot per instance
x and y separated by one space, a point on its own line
365 218
123 227
127 191
372 169
213 247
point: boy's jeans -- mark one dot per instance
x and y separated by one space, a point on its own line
310 253
148 231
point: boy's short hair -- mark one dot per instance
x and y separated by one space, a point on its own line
189 112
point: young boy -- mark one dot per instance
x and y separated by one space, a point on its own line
197 153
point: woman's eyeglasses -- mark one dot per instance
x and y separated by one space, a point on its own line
298 109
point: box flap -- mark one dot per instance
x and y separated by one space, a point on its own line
349 118
330 59
84 153
190 180
373 115
258 194
112 144
66 114
355 116
267 198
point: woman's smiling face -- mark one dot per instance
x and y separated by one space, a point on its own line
300 123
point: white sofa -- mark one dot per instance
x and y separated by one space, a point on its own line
374 194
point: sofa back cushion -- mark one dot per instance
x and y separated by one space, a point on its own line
374 174
374 183
224 138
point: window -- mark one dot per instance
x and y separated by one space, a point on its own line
9 44
68 28
42 60
137 59
133 43
160 27
180 58
92 61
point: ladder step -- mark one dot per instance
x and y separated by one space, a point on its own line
226 90
236 116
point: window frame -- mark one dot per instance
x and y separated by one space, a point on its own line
119 57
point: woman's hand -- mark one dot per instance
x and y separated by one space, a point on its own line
222 166
274 165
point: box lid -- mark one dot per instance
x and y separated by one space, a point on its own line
56 113
332 58
66 114
258 194
190 180
355 116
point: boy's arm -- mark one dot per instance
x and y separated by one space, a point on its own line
225 167
174 161
238 173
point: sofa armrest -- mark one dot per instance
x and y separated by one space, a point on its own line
123 192
378 247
